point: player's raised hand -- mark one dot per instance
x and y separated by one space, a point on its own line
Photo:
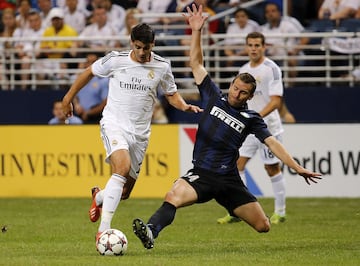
310 176
195 17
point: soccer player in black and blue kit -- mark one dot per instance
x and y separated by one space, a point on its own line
223 127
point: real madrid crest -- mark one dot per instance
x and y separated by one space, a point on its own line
258 80
151 74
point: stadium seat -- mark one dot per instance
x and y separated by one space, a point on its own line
321 25
351 25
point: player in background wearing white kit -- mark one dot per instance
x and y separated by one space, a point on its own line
134 78
266 101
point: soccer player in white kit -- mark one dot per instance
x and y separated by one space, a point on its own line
266 101
134 78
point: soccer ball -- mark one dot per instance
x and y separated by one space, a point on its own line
112 242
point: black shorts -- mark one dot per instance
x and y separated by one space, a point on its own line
228 190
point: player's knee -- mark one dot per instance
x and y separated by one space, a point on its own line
263 226
272 169
170 196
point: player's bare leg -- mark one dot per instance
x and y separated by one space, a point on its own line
253 214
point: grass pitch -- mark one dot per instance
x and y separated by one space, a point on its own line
318 231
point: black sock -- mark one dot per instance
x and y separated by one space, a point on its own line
162 218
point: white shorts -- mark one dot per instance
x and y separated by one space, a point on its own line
114 139
252 144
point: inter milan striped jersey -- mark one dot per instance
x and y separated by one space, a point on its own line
133 89
222 130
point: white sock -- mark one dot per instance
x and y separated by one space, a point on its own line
242 175
111 198
99 198
278 185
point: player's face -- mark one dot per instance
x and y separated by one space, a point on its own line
255 49
239 93
141 52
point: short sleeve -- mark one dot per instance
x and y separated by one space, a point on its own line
167 83
103 66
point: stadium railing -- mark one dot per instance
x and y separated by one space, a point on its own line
320 64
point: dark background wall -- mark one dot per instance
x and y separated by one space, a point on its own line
27 107
312 105
321 104
308 104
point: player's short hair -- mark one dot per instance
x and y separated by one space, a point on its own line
256 35
247 78
143 33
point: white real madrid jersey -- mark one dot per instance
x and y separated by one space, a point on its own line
133 89
268 83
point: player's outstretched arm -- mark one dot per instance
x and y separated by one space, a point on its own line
178 102
78 84
279 150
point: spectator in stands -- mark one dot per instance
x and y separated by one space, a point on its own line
357 13
45 6
115 14
221 5
9 26
7 4
81 6
58 29
258 10
150 6
24 7
26 50
60 118
182 4
130 22
241 25
91 99
100 27
9 21
74 16
126 4
277 46
165 6
338 9
92 4
304 11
